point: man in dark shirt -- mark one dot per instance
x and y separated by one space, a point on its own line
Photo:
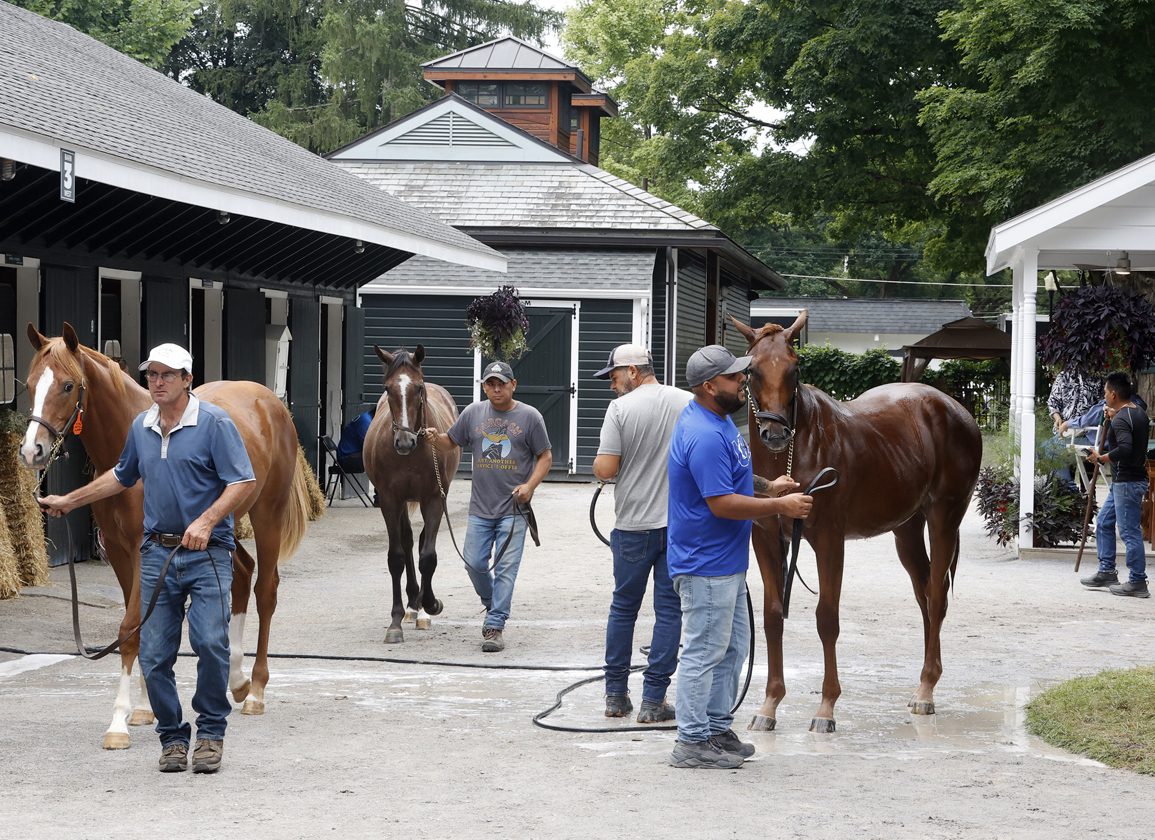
1126 451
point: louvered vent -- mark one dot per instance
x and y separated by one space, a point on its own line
449 130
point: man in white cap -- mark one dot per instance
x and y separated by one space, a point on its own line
196 472
712 504
511 457
635 441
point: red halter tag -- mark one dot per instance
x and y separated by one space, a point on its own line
78 426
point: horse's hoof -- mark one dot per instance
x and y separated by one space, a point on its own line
822 725
410 615
436 607
394 636
117 741
253 707
921 707
761 723
242 691
423 623
141 717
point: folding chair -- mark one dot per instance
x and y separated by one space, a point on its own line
337 473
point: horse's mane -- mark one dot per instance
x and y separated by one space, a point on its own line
58 351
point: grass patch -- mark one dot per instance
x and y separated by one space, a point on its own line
1109 717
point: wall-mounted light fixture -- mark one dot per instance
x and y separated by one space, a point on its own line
358 246
1123 266
223 217
7 169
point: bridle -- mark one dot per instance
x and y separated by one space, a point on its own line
75 424
789 426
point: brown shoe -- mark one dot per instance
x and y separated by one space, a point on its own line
491 641
174 757
207 756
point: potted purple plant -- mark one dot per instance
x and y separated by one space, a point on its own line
497 324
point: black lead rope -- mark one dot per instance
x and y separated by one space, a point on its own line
593 520
796 537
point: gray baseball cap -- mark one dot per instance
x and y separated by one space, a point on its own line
497 369
713 360
625 355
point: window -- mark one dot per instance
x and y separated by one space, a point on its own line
525 95
484 94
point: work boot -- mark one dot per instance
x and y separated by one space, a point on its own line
728 742
207 755
618 705
655 711
1100 579
174 757
703 754
1133 588
491 641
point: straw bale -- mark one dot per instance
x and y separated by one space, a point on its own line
23 525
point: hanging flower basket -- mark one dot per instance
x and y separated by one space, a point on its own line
1096 329
497 325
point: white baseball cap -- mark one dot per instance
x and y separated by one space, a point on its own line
625 355
169 355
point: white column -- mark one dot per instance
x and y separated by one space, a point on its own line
1028 357
1016 342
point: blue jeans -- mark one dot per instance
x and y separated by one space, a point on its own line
483 538
204 578
1122 508
636 555
715 640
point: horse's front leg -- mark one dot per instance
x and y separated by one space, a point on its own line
397 523
428 603
768 549
243 569
829 550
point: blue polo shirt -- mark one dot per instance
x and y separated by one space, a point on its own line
708 457
187 471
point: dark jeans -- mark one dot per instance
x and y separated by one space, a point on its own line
637 554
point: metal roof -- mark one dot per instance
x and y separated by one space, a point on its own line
507 53
177 152
881 315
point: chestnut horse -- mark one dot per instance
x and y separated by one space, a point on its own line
907 458
401 464
67 380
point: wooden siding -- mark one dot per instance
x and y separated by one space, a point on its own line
604 325
658 315
736 302
690 324
535 122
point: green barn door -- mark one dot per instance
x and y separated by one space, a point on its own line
545 374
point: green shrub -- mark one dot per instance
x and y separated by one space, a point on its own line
845 375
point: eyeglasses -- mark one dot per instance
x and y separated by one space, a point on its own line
167 377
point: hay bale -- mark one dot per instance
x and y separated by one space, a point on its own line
316 495
243 528
26 552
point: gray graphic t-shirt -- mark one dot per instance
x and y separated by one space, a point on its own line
505 445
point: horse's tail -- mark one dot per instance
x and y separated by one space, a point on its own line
301 506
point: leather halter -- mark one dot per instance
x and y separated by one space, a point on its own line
58 435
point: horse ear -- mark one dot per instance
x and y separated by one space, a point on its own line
70 339
747 332
796 327
35 338
419 355
385 357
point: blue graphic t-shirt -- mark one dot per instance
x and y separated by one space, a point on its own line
505 446
708 457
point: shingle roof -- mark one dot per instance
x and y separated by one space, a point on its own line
596 271
527 195
885 315
60 85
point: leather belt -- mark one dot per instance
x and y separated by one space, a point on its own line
166 540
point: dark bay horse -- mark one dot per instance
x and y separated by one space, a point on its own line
907 458
400 463
67 380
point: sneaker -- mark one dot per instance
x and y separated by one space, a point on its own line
704 754
207 756
491 641
1133 588
728 742
174 757
655 711
1100 579
619 705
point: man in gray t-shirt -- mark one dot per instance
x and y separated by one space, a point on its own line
634 445
511 457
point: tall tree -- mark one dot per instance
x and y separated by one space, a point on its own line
324 72
143 29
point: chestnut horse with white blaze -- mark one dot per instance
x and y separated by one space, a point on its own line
406 472
907 456
68 380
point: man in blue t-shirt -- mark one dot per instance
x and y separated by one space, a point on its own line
712 505
196 472
349 448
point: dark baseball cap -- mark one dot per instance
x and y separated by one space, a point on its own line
713 360
497 369
625 355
